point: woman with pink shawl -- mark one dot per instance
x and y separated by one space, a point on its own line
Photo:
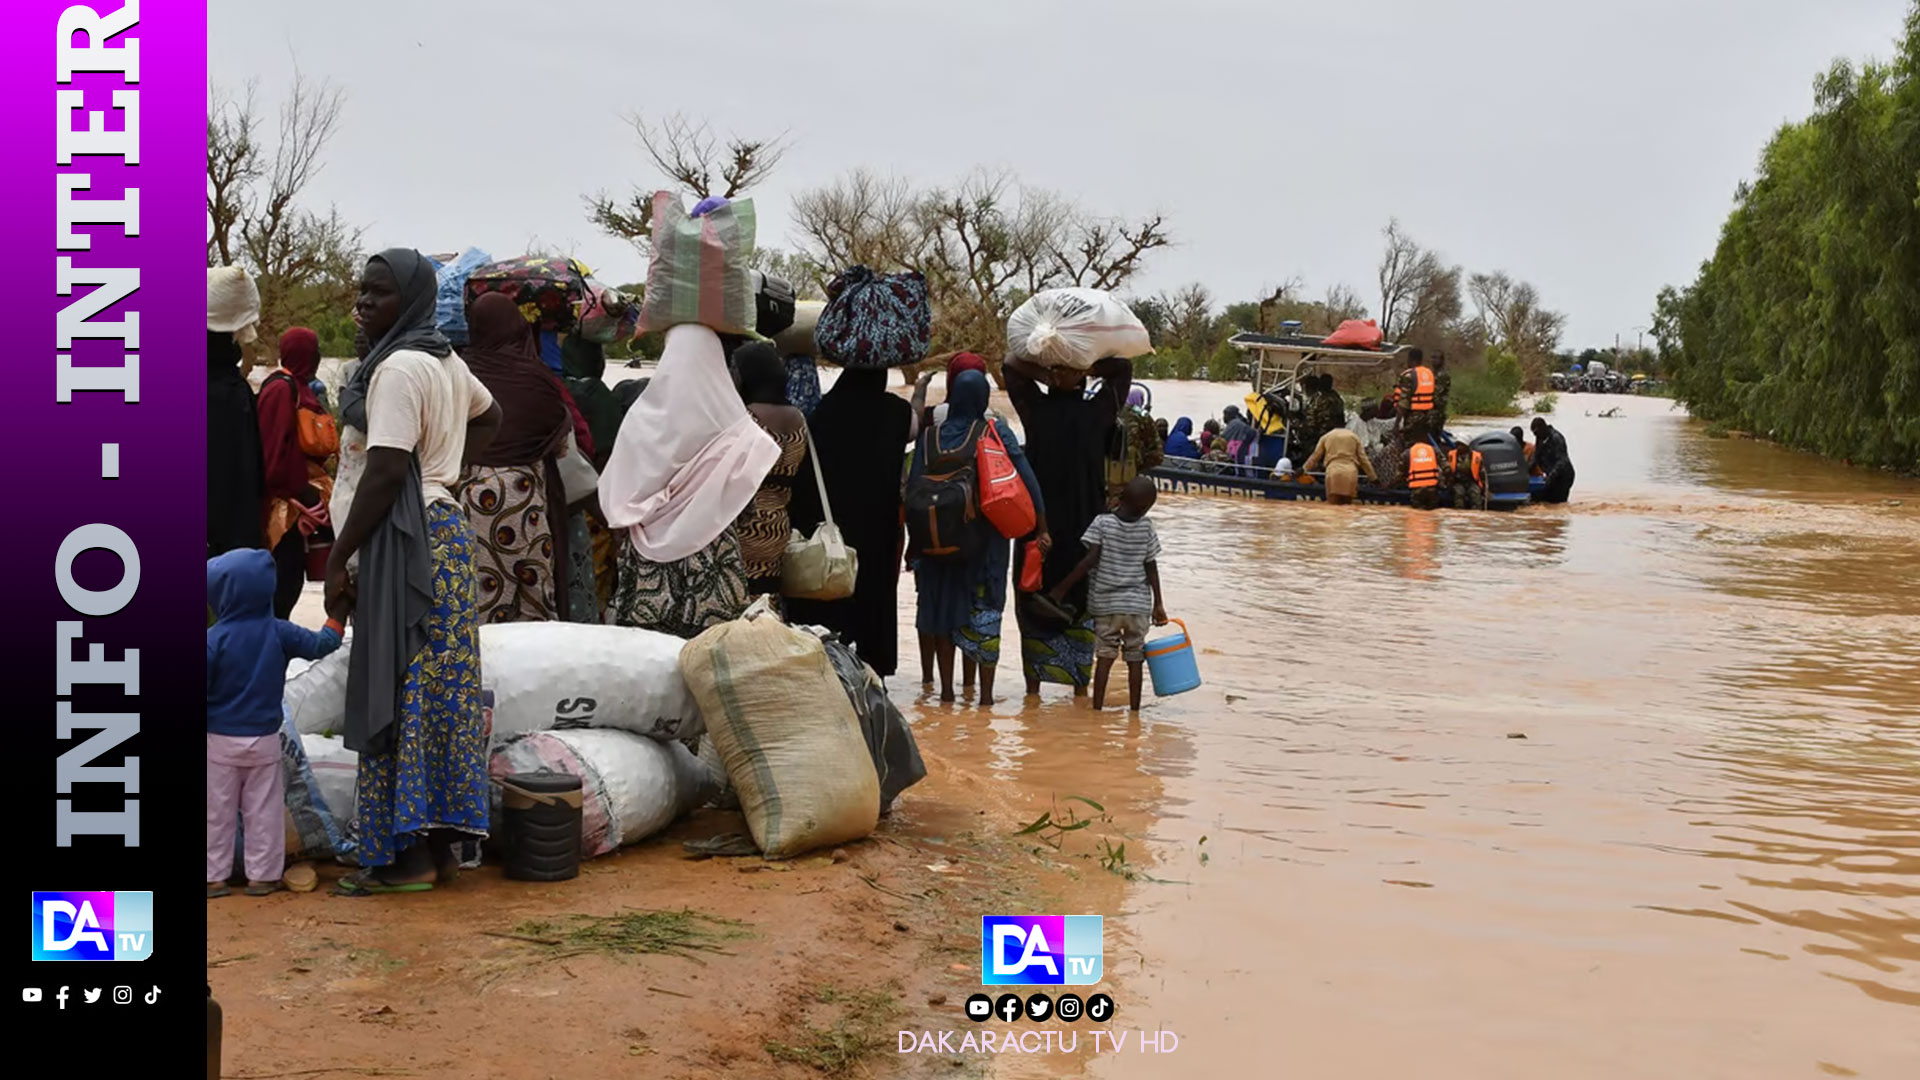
688 459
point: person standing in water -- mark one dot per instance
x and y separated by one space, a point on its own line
960 603
1122 562
1068 434
1551 458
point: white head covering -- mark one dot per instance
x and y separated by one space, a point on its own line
688 457
233 302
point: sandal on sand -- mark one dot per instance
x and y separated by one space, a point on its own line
263 888
218 889
365 884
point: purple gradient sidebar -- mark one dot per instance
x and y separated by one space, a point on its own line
105 461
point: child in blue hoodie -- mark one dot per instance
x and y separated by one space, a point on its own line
247 654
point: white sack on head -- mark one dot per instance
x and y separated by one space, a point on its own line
1074 328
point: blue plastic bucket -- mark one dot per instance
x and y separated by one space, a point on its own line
1171 662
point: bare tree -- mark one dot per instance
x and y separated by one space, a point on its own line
1512 317
303 262
1418 291
689 158
860 219
1189 318
1339 304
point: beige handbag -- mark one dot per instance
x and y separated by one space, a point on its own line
821 566
577 474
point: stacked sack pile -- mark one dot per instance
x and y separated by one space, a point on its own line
786 720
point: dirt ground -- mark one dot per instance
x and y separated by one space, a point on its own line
833 958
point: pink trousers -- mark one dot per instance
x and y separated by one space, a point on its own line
243 781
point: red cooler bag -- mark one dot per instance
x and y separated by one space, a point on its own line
1004 500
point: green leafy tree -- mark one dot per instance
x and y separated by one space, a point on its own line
1804 326
1224 364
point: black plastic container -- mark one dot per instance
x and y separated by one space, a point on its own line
541 826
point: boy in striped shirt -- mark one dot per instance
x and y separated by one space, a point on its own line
1123 593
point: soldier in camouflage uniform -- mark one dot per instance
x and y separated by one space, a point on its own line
1442 390
1417 410
1325 411
1467 475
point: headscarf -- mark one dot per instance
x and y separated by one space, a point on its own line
414 329
233 303
396 565
1180 440
763 378
1136 398
966 406
965 361
300 355
534 418
688 457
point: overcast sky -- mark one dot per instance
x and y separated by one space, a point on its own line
1591 148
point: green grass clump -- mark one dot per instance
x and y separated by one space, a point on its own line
859 1030
680 933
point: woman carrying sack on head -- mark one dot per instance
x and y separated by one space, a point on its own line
961 601
512 490
297 437
1068 434
688 459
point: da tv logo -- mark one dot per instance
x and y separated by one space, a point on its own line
92 925
1021 950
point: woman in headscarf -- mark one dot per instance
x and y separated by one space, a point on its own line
511 490
1068 434
763 525
860 432
1209 432
297 483
956 364
960 603
412 413
1180 441
236 473
689 457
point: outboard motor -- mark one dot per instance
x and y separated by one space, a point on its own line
1505 462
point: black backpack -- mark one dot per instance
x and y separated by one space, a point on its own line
942 503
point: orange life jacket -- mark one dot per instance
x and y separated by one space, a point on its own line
1423 466
1472 459
1422 390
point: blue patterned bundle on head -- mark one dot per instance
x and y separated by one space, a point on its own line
875 320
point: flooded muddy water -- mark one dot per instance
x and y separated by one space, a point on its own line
1624 788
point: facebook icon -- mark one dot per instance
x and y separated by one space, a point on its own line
1026 950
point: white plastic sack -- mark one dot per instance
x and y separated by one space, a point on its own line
541 676
316 695
631 786
1075 327
791 742
554 675
336 770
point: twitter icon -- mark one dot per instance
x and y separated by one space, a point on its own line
91 996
